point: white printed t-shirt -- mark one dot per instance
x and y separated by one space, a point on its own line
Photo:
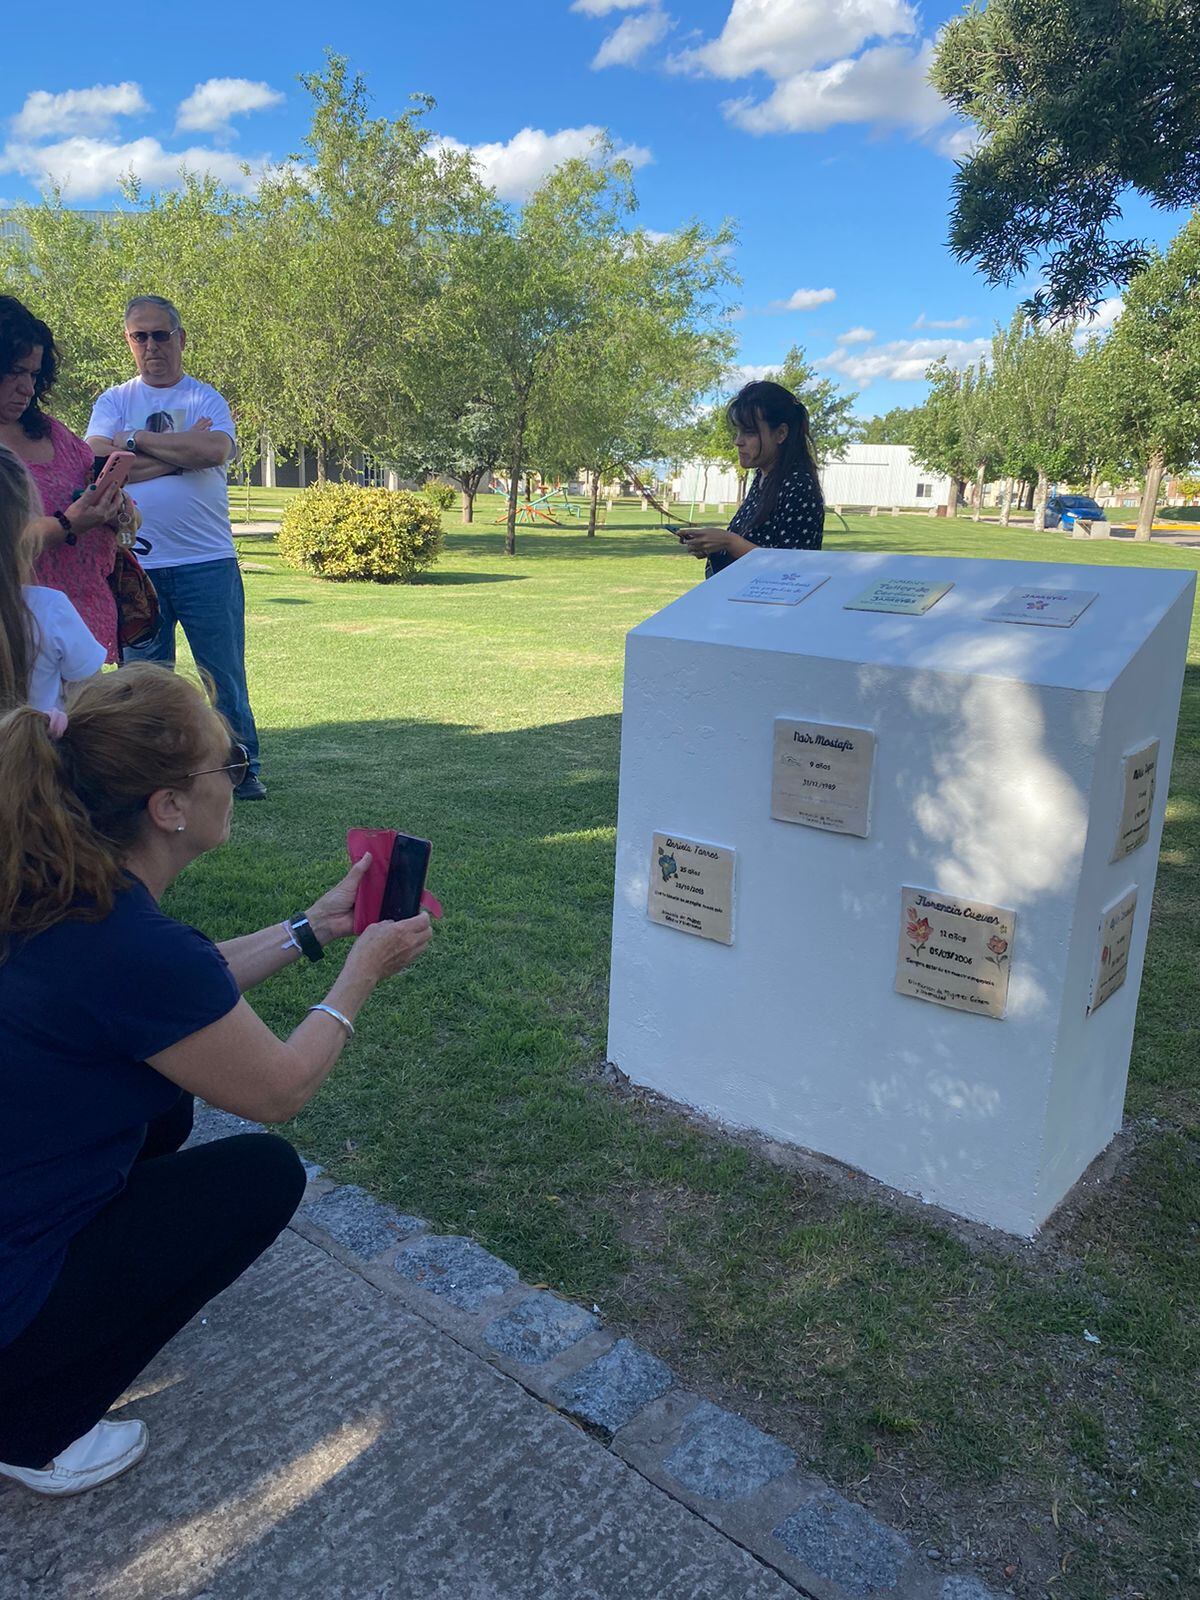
185 516
64 648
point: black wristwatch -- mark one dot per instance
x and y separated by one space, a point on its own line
301 930
131 441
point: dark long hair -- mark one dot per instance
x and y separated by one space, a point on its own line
16 564
21 332
771 403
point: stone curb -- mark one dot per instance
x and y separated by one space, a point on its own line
740 1480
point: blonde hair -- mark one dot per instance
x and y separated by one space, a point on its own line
71 808
17 647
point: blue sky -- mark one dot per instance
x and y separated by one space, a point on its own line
808 122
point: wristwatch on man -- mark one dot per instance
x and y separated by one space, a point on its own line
131 441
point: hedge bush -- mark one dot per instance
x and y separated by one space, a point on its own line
440 495
339 531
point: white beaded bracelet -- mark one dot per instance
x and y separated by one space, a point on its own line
337 1017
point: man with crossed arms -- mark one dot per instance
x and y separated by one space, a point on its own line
183 435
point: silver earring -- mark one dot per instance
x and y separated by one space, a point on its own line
181 827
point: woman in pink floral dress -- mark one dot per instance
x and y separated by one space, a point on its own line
76 534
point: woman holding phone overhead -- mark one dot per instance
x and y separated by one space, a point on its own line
785 508
75 527
112 1015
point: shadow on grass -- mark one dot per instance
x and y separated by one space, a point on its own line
284 600
442 580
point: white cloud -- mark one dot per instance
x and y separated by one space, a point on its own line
947 324
77 110
86 168
748 373
804 300
601 8
958 144
1102 319
856 336
886 86
212 105
628 43
782 37
904 360
514 169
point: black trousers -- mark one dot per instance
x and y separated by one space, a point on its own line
186 1225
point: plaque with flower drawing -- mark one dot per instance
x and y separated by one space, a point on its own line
1112 949
1042 608
955 952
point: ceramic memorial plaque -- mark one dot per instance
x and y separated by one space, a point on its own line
781 588
1042 608
691 887
1140 774
1112 949
954 952
822 775
912 596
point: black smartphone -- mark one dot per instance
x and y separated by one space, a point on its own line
405 879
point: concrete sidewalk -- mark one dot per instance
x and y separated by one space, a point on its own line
375 1410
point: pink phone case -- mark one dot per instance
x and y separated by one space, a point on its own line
116 470
369 901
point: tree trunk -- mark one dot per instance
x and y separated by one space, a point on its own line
1154 476
468 505
592 508
514 483
1039 502
1006 503
978 511
952 499
741 482
321 461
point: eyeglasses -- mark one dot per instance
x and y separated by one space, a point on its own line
238 766
159 335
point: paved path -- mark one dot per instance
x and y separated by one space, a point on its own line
378 1412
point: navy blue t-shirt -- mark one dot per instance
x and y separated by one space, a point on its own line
81 1007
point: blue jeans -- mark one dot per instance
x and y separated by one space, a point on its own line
207 600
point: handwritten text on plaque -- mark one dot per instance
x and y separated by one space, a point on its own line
1140 773
691 887
909 595
822 776
954 952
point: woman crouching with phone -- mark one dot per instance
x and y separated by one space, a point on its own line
112 1015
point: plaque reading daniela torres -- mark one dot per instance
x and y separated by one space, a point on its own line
954 952
691 887
822 776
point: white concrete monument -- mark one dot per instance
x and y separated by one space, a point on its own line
929 963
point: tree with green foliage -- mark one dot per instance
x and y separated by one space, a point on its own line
893 427
1140 388
831 420
937 432
1075 101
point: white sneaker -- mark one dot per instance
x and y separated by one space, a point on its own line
104 1452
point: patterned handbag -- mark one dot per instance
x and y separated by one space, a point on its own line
137 603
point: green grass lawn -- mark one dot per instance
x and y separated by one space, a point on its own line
943 1380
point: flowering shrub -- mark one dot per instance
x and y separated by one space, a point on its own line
440 495
339 531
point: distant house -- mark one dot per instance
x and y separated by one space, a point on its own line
881 475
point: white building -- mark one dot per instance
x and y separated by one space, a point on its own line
881 475
865 475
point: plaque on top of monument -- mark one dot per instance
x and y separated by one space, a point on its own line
1140 770
1112 949
912 596
954 952
1042 608
822 776
691 887
781 588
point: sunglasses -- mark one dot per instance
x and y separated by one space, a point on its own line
159 335
237 767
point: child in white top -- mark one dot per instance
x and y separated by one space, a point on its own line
44 642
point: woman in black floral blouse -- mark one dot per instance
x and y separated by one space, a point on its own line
785 508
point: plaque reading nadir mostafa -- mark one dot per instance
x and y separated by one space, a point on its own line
1140 774
691 887
954 952
1112 949
911 596
822 776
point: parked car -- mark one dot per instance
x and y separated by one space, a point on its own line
1065 510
